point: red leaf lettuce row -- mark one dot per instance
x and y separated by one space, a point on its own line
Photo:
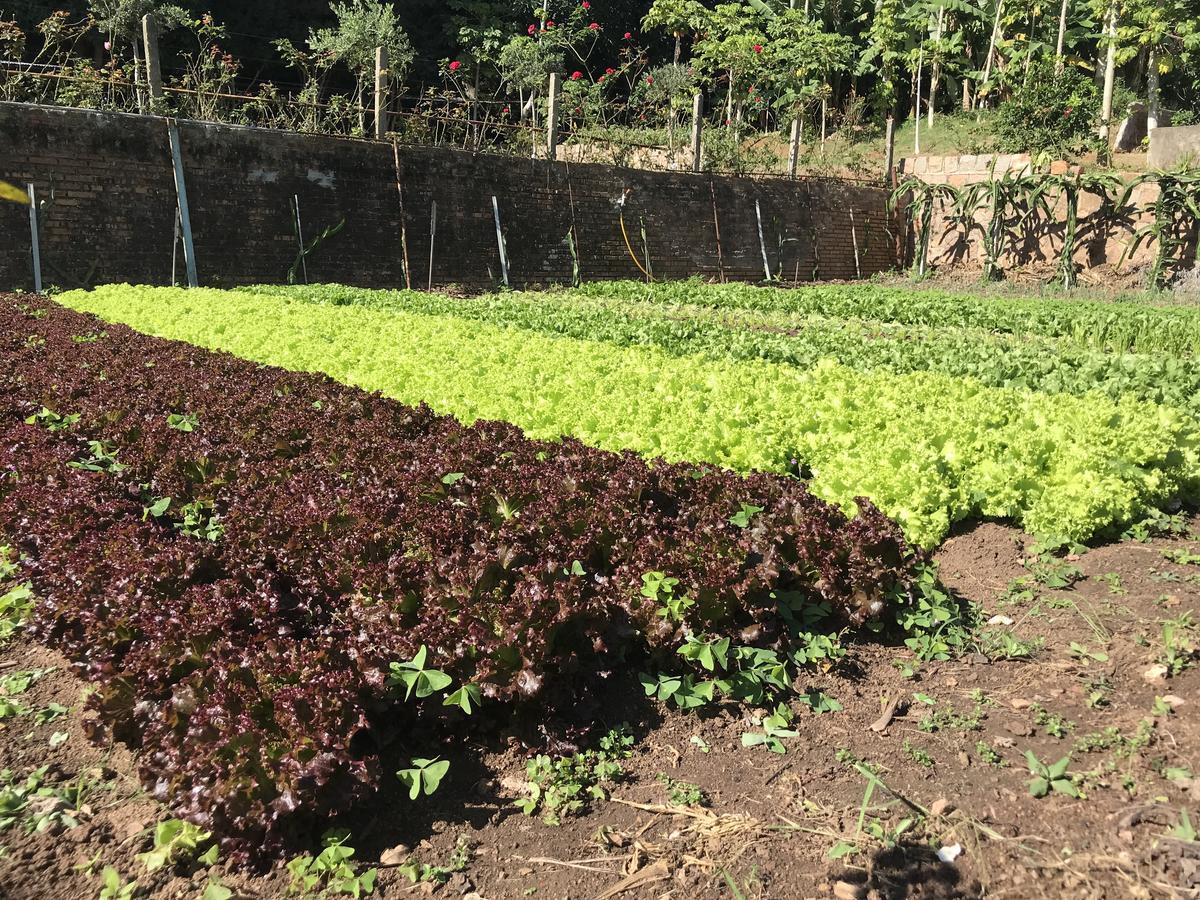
250 670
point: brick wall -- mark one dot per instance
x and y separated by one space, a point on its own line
1102 242
110 201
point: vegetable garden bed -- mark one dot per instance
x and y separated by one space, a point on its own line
269 576
928 448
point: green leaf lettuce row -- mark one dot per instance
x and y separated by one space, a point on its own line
927 448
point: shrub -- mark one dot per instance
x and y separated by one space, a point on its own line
1049 112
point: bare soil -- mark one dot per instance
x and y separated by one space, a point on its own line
773 819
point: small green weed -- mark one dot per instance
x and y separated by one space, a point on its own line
565 786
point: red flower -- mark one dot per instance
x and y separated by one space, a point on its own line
506 110
455 66
585 4
751 91
649 80
758 48
532 29
629 35
575 76
610 71
600 80
595 26
549 23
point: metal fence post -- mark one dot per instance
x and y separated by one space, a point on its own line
35 243
500 240
185 218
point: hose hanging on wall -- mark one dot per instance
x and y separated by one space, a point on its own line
625 234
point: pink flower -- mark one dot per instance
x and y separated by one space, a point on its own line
751 91
600 80
506 110
610 71
629 35
455 66
585 4
649 79
549 23
758 48
532 29
595 26
108 45
575 76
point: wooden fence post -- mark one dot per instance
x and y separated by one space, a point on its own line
381 92
552 116
153 63
697 130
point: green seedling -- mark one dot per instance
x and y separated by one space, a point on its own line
1052 724
113 887
682 793
565 786
102 458
659 588
917 755
424 776
1002 644
1082 653
330 871
185 422
176 841
416 677
819 702
775 727
988 754
52 421
1050 778
1182 557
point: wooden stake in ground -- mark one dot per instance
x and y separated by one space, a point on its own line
403 225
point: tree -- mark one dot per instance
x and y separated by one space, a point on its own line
678 18
362 26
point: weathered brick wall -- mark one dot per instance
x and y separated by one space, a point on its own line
1036 242
109 194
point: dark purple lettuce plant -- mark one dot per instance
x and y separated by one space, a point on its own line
236 592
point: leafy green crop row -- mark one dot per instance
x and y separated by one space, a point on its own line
1091 323
1040 364
927 448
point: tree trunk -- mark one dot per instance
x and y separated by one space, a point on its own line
729 101
917 106
824 109
889 152
678 46
1153 94
936 75
987 63
1059 62
137 77
1110 73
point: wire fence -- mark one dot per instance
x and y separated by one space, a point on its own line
433 119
